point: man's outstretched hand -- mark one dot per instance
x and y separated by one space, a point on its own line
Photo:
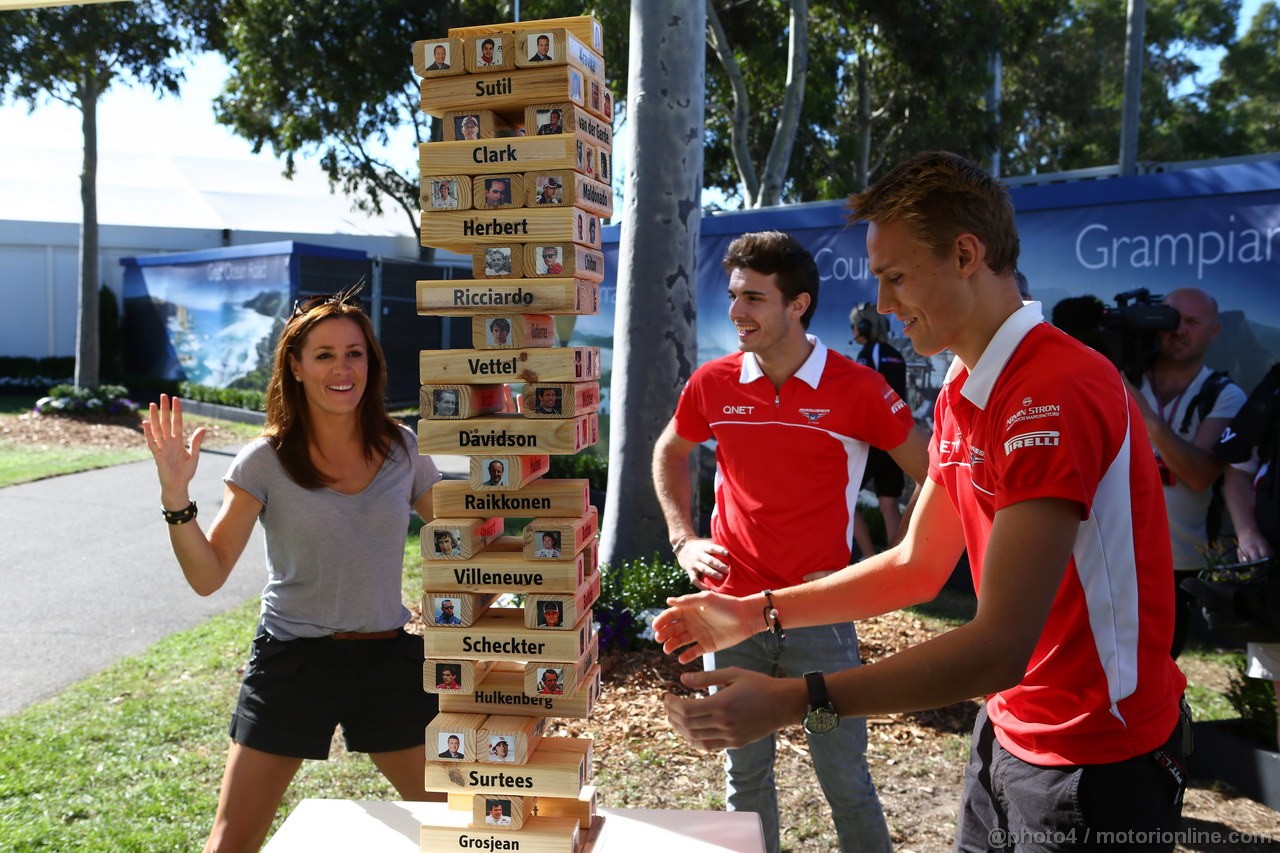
746 707
705 622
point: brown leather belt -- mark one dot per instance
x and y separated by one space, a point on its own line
360 635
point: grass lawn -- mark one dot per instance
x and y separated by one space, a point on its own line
131 759
22 461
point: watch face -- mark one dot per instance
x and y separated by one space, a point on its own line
820 720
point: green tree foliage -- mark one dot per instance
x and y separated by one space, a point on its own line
337 79
1241 109
74 54
1063 89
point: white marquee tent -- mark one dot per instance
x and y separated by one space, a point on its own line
150 203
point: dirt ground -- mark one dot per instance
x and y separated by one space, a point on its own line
917 760
114 433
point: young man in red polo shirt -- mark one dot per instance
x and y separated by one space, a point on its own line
793 423
1039 465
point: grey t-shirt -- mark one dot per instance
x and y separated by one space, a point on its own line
334 561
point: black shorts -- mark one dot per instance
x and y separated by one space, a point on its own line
885 473
295 692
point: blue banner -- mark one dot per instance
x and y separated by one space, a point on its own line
1216 228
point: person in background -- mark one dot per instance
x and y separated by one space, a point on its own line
332 481
871 331
1185 406
1251 486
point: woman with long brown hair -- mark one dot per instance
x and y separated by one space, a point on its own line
332 481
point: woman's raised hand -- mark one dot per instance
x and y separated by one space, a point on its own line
175 463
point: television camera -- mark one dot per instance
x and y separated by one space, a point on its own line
1126 333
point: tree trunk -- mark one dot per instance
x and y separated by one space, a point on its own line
864 119
784 135
741 107
654 346
87 307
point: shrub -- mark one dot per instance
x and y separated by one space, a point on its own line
22 375
103 400
1254 699
237 398
631 595
585 465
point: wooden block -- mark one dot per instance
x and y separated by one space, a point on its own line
445 727
500 633
594 129
596 102
604 167
458 402
559 399
520 154
504 90
585 27
586 228
471 125
452 610
549 119
513 331
581 746
506 473
463 230
498 192
553 364
511 434
566 118
581 808
455 499
446 192
500 261
548 187
453 676
566 186
510 738
500 811
563 259
439 57
584 161
446 538
453 831
544 48
491 52
592 195
451 298
561 612
556 771
502 692
542 678
502 567
559 538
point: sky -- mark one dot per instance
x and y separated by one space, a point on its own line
130 119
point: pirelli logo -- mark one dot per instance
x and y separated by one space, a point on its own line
1042 438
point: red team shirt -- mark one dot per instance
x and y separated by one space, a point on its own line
1042 416
789 464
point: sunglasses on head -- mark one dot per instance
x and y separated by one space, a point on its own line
343 297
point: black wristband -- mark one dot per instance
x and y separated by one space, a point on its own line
181 516
771 617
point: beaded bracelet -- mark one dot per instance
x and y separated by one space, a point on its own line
181 516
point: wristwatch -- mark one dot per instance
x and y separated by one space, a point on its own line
821 716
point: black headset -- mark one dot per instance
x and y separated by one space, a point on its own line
863 326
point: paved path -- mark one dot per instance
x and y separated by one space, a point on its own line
88 577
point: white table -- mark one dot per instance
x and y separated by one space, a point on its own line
383 826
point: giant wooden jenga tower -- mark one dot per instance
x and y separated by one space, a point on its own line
520 183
